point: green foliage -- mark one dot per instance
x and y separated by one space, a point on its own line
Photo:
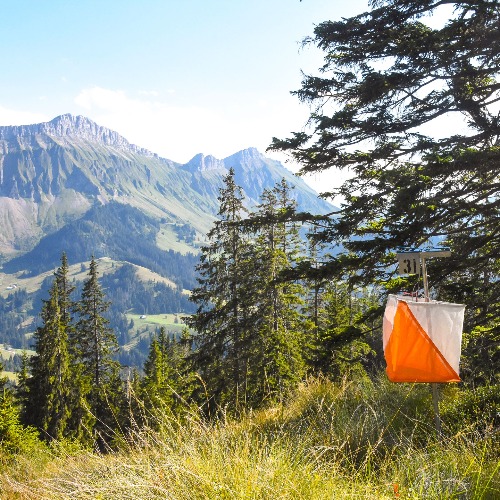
472 410
481 355
249 340
12 316
277 364
73 389
48 389
166 376
222 315
95 344
118 231
387 76
341 340
14 437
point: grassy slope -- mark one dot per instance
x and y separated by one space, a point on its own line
148 325
33 283
328 441
7 354
166 239
106 265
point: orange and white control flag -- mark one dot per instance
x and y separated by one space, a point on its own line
422 340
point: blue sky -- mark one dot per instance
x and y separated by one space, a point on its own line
178 77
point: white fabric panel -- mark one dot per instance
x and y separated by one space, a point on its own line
388 321
443 322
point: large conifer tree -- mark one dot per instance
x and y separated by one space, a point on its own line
49 387
224 313
95 344
157 385
166 379
250 333
386 102
281 329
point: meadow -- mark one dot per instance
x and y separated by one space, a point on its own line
352 439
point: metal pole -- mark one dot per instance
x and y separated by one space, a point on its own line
426 283
435 393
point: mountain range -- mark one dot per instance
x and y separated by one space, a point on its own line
53 173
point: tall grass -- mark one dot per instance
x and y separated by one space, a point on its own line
348 440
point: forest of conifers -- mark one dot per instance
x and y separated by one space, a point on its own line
256 333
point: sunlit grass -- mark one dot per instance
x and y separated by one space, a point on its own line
347 440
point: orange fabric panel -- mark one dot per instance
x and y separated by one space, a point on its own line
411 355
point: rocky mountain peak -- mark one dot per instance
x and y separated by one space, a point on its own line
72 127
245 157
82 127
202 163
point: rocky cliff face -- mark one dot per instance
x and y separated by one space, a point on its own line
67 127
202 163
254 172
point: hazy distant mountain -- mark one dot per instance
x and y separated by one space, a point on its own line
53 173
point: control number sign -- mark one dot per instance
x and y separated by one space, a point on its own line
409 263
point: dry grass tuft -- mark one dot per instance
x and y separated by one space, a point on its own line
328 441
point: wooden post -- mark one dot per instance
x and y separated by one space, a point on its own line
435 404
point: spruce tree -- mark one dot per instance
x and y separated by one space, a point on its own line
49 387
167 381
65 291
277 361
341 345
14 437
3 379
81 420
95 344
223 316
158 373
22 387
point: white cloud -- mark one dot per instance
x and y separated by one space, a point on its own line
180 132
18 117
175 132
149 93
97 98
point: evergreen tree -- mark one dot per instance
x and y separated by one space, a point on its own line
22 387
3 380
49 388
342 342
131 411
158 370
80 421
223 315
478 287
95 345
389 75
14 437
167 381
277 361
65 289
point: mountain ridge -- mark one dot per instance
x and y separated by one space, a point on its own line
68 125
72 186
54 172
